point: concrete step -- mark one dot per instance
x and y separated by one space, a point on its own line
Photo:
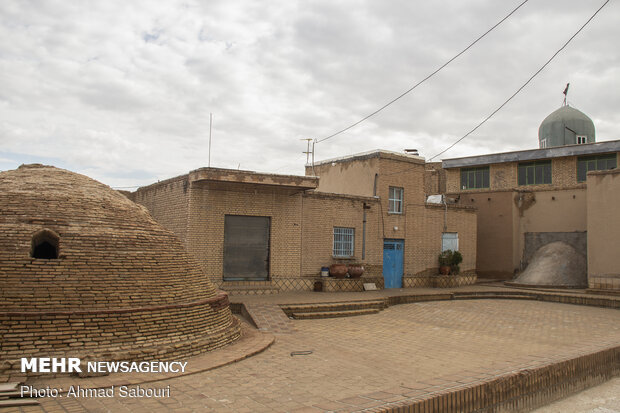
478 296
339 306
18 402
249 290
8 386
8 394
334 314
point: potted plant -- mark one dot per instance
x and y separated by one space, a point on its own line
445 261
355 270
457 258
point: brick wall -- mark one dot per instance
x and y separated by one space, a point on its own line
434 178
167 201
355 176
503 176
424 233
209 205
321 213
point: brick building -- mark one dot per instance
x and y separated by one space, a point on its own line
261 233
526 199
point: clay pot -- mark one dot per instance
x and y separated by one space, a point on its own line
338 270
356 271
444 270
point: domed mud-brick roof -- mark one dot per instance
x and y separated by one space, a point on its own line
85 272
111 252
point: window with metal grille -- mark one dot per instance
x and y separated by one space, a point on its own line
344 240
534 173
594 163
395 200
473 178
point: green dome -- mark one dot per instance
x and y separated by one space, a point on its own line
564 126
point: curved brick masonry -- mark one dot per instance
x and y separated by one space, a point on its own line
112 253
142 333
87 272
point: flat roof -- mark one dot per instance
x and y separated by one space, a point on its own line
376 153
255 178
533 154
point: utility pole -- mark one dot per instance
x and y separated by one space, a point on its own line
210 123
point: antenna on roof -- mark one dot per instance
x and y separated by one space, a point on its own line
565 93
307 152
210 123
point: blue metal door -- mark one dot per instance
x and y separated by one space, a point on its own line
393 263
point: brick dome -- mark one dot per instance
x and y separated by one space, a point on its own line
83 255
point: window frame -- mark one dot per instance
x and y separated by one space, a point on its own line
343 242
579 138
444 239
395 204
533 167
485 181
601 162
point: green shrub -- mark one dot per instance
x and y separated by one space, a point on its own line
451 259
457 258
445 258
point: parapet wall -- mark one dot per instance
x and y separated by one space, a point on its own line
603 230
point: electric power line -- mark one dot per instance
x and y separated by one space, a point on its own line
525 84
426 78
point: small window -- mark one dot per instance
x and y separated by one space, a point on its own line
534 173
449 241
344 240
395 200
44 245
594 163
475 178
543 143
581 139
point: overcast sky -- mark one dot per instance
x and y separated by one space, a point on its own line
122 90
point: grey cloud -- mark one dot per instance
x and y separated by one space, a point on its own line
129 85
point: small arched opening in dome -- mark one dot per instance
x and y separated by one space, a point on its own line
45 245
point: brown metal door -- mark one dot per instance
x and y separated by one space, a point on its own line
246 248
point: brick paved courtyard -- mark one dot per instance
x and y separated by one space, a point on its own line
367 361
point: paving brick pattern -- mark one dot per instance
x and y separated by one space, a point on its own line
363 362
